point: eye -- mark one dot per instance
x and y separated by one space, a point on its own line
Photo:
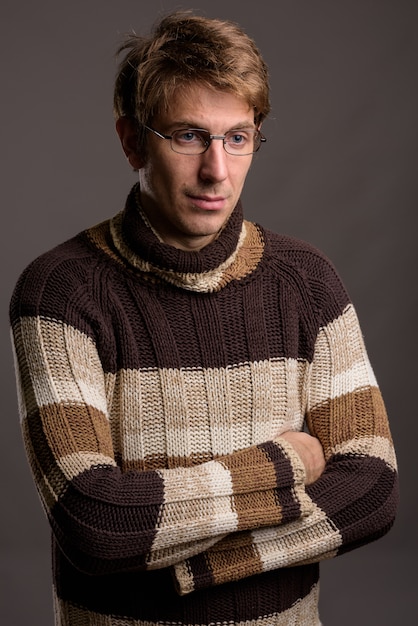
238 138
188 136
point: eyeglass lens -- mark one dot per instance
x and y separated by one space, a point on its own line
197 141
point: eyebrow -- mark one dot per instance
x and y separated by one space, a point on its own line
188 124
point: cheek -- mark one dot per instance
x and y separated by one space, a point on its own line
154 179
240 173
168 175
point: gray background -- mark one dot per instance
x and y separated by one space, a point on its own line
339 169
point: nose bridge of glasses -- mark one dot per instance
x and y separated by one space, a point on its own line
206 138
222 138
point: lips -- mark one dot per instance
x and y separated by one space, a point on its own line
209 203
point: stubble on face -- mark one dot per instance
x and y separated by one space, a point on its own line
189 199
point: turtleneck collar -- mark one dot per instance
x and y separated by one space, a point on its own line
203 270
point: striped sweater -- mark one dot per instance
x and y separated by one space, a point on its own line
153 386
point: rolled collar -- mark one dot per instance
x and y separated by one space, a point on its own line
200 271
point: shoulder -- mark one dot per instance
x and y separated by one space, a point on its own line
307 267
56 277
293 249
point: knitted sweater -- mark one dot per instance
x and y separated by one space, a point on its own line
153 384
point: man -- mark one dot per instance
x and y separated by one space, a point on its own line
170 358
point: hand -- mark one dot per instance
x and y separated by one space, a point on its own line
310 451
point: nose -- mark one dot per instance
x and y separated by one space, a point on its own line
214 163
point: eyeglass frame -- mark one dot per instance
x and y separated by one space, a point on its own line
210 138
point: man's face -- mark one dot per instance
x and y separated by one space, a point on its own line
188 199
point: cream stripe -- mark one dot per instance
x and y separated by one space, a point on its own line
296 542
21 401
359 376
74 464
200 282
63 364
202 496
347 341
221 415
175 414
211 413
289 400
341 365
378 447
260 382
172 555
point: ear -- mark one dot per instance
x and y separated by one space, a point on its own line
128 135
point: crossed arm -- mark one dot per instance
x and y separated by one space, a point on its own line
353 495
270 505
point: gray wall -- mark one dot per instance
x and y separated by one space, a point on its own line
339 169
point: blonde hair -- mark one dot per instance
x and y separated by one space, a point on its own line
184 50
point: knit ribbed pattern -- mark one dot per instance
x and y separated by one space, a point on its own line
153 384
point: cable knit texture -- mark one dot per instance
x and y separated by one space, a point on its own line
153 384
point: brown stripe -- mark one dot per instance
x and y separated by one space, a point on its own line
133 597
248 257
99 235
254 480
75 428
49 478
236 553
349 417
251 470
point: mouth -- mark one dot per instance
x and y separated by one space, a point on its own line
208 203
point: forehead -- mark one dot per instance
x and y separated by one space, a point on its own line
202 107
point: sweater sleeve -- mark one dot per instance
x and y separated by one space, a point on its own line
354 501
104 519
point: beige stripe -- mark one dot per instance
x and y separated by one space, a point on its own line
221 418
177 433
297 542
378 447
136 414
340 364
26 401
99 236
74 464
289 392
174 554
211 412
202 496
63 364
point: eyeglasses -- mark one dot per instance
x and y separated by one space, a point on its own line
193 141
